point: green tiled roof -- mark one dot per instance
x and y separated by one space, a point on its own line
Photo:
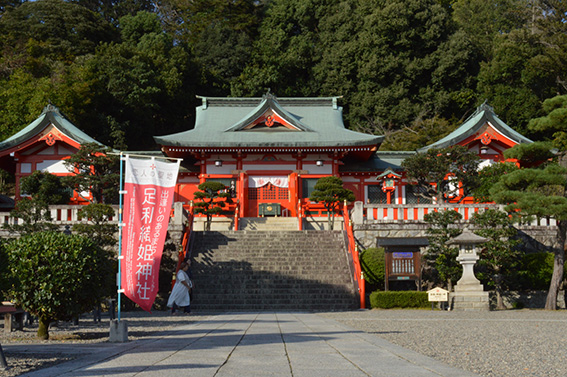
483 114
220 122
50 115
379 162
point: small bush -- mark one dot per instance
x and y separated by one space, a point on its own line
372 261
399 299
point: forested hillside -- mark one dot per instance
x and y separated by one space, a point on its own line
126 70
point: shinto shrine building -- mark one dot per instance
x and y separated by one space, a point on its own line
270 151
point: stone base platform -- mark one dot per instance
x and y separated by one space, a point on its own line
470 301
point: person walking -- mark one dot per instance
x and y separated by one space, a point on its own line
179 297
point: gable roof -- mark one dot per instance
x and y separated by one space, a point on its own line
311 122
484 114
50 115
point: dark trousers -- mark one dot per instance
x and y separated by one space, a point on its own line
186 309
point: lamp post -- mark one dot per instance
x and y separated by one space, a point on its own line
469 292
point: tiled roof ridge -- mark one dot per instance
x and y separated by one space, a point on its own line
254 101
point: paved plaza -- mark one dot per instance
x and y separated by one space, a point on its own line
249 344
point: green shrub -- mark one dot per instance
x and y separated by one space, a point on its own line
372 262
399 299
4 277
535 271
57 277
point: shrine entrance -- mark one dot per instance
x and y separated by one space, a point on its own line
268 197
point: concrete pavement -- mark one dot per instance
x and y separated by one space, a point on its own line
253 344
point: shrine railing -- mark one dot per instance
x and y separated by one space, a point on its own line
376 213
187 237
353 251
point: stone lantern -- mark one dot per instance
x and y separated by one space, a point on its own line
469 292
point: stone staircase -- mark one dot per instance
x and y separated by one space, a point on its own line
269 223
271 270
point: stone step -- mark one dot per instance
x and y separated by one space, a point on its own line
269 270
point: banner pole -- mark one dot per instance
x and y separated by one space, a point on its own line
121 193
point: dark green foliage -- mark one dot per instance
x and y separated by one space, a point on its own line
96 171
535 271
444 167
440 259
499 256
55 29
530 154
330 192
488 176
5 282
420 133
372 261
98 228
540 193
58 277
143 85
34 215
211 199
553 125
399 299
44 189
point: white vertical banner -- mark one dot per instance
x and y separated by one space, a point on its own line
149 189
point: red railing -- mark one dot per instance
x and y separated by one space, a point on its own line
353 250
236 218
300 214
182 254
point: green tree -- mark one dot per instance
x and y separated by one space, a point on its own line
537 192
55 29
95 171
448 169
143 85
330 192
484 20
211 199
554 123
441 266
488 176
98 228
515 81
499 256
43 189
420 133
5 282
57 277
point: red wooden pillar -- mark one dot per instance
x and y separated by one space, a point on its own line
242 190
293 193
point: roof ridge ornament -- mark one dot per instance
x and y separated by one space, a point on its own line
269 95
50 108
485 107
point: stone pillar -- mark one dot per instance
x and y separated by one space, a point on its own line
358 213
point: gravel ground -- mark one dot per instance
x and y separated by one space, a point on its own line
498 343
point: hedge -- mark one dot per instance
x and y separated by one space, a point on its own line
399 299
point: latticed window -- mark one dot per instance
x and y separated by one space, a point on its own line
253 193
268 192
376 195
413 198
